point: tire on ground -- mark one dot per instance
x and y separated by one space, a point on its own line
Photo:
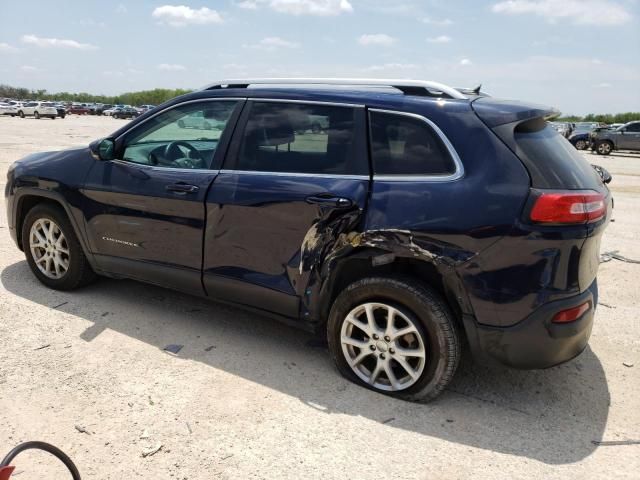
79 272
434 320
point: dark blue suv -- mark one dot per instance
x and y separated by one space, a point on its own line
401 219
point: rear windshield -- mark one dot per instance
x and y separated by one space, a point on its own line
554 159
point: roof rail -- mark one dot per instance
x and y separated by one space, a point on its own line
408 87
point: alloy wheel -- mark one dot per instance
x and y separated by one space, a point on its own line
49 248
383 346
604 148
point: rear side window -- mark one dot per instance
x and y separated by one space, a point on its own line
405 145
553 158
300 138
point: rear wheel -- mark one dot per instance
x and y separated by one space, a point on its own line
21 114
52 249
395 336
604 147
581 145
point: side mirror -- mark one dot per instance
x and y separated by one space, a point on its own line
103 149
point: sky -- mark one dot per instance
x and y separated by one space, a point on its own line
580 56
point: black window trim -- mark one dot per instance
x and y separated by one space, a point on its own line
459 168
235 118
234 148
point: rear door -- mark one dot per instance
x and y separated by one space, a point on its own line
296 178
146 209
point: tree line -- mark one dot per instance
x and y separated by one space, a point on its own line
602 118
145 97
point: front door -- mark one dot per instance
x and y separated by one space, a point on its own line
296 177
146 209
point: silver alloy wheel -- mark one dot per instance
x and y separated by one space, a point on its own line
581 144
49 248
383 347
604 148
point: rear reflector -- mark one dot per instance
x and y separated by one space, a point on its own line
568 207
571 314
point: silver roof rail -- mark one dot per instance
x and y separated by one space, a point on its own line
409 87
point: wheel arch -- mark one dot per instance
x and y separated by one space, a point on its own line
371 262
27 199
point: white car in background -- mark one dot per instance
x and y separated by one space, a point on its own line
8 109
37 110
110 111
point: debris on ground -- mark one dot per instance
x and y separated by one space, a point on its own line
627 364
145 435
613 443
82 429
209 348
614 255
174 349
148 452
58 306
42 347
606 305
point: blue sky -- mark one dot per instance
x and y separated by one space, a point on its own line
579 55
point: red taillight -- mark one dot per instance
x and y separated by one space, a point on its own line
568 207
571 314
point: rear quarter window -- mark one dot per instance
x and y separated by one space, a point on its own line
553 157
406 145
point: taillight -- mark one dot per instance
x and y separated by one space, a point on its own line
573 206
571 314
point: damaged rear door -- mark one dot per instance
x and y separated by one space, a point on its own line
295 178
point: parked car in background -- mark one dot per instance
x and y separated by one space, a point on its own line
580 138
38 110
625 137
78 109
125 112
62 111
109 111
404 230
100 109
563 128
144 108
8 109
197 120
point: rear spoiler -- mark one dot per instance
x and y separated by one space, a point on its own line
500 112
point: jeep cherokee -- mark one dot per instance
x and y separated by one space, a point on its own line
418 218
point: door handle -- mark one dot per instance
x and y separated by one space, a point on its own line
182 188
330 200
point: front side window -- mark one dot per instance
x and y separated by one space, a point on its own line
299 138
404 145
183 137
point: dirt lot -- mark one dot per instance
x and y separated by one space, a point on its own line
250 398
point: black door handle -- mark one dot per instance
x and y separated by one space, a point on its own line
330 200
182 188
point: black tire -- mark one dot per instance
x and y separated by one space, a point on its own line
428 312
79 272
604 147
36 115
21 114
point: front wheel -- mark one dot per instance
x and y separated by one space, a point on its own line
395 336
21 114
604 147
52 249
37 115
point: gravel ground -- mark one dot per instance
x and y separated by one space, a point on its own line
250 398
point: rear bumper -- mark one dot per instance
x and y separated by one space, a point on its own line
535 342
